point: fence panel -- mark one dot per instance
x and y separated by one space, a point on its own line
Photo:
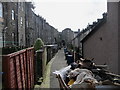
31 66
22 70
18 72
25 68
18 69
12 74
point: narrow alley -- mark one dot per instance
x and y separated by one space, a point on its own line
59 44
58 63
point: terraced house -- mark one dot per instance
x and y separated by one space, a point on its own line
20 26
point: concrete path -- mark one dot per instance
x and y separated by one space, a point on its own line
58 63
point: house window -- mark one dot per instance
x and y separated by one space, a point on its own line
13 37
13 15
22 6
1 11
21 21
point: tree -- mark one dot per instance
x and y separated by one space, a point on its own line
38 44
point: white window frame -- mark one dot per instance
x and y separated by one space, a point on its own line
13 14
21 20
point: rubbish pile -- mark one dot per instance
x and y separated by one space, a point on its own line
84 73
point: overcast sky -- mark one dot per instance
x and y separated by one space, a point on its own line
74 14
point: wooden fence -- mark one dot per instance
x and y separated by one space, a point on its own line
18 69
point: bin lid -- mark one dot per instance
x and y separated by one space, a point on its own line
40 50
69 55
